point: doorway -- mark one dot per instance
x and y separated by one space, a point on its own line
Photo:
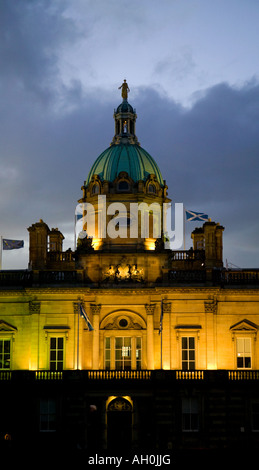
119 424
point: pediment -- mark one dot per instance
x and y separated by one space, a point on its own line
6 327
123 320
244 325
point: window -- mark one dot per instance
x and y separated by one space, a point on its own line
47 415
190 415
152 188
107 358
95 189
5 354
123 353
123 186
56 353
243 353
188 353
138 353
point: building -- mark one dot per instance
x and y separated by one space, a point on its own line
124 344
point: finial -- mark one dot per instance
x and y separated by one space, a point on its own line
124 90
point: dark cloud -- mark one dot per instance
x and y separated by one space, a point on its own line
51 132
208 155
31 35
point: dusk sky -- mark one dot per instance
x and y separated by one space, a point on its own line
193 71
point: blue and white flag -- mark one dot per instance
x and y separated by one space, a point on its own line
192 216
12 244
161 318
85 317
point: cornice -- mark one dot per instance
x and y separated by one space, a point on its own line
30 292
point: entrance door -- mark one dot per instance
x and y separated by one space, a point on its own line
119 424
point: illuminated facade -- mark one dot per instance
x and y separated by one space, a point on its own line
135 379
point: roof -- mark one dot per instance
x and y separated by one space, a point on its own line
131 158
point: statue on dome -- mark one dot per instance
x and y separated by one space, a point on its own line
125 90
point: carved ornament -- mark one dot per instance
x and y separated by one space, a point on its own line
123 272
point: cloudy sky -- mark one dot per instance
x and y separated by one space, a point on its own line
193 71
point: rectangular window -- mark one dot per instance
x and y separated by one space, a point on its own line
138 353
107 352
243 353
123 353
188 353
190 414
5 354
56 353
47 415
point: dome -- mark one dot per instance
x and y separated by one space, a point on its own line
124 107
131 158
125 153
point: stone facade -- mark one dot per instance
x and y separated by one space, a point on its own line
144 347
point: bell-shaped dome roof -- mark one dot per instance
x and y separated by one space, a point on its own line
125 107
125 153
131 158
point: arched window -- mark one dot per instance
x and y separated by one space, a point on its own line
152 189
95 189
123 186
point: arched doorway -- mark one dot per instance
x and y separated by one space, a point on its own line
119 423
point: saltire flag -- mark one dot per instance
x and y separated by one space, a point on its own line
12 244
191 215
85 317
161 318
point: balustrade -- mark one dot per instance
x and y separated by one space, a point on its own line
47 375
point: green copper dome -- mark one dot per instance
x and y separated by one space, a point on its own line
127 157
125 153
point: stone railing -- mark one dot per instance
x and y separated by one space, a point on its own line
146 375
188 276
52 276
5 375
189 374
119 374
61 256
188 255
242 276
243 374
48 375
16 277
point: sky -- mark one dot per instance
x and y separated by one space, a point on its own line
192 67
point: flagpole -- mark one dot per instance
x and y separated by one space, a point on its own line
161 333
75 234
184 217
161 349
78 336
1 253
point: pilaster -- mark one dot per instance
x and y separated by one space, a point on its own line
150 309
210 307
95 311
